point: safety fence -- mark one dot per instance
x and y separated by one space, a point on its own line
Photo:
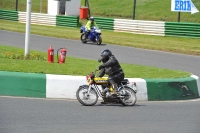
140 27
182 29
9 15
178 29
105 23
41 19
67 21
65 86
38 18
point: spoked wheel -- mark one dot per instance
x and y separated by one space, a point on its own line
83 40
86 98
99 41
128 96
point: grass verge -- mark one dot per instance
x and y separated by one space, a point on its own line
76 66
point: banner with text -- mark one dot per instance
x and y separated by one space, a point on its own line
183 6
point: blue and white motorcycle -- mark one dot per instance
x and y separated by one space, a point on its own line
93 36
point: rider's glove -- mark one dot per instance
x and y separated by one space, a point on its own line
101 66
99 60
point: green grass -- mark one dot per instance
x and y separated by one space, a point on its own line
11 5
158 10
77 66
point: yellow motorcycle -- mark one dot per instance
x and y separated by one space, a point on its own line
88 94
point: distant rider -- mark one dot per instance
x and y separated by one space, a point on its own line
112 68
91 23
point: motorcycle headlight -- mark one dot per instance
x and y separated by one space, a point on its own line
98 31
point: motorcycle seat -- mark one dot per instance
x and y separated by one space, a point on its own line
125 81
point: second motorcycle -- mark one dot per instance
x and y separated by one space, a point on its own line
94 35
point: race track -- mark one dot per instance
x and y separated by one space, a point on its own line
124 54
25 115
22 115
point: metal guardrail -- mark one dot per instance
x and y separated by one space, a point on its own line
38 18
105 23
9 15
181 29
41 19
158 28
68 21
140 27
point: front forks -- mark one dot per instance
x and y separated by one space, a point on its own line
89 89
94 89
97 37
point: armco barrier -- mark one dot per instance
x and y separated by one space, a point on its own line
181 29
41 19
159 28
9 15
38 18
105 23
67 21
140 27
65 86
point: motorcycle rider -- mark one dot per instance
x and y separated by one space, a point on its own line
112 68
91 23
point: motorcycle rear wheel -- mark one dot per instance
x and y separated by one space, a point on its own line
83 40
85 98
129 100
99 41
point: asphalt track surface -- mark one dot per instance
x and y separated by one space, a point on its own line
24 115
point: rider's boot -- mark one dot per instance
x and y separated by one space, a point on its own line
86 35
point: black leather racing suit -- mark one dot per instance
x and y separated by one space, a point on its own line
114 71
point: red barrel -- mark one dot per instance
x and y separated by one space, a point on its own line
83 12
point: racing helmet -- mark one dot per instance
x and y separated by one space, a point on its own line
92 18
105 54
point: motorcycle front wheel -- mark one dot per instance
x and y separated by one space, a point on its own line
83 40
99 40
86 98
128 96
